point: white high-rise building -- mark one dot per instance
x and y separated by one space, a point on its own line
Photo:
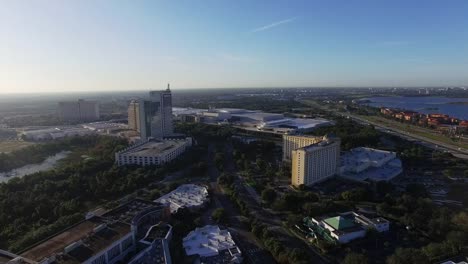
80 110
156 115
316 162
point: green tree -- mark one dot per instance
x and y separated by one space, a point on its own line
268 195
219 215
407 256
355 258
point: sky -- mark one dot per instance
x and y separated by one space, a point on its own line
98 45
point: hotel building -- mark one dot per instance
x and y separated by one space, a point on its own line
316 162
80 110
293 142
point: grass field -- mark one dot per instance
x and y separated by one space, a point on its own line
12 145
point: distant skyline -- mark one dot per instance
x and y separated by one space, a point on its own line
70 46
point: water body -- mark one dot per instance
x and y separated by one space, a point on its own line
455 107
47 164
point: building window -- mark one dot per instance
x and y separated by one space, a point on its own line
100 260
113 252
127 243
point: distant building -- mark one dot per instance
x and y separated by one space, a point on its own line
55 133
212 245
251 120
80 110
369 164
153 152
110 238
134 115
189 196
346 226
293 142
156 115
316 162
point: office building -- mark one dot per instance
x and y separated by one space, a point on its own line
293 142
106 239
80 110
134 115
156 115
153 152
212 245
316 162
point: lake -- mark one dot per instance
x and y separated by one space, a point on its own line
455 107
47 164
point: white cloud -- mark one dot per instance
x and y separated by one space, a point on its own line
274 24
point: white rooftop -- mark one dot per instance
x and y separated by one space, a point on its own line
367 163
186 195
207 241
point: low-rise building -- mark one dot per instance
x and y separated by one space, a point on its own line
362 164
154 247
55 133
153 152
191 196
109 238
212 245
346 227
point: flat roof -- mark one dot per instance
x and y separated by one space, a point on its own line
127 211
362 155
153 147
99 241
60 241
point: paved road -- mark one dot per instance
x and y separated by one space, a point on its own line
267 216
432 144
429 143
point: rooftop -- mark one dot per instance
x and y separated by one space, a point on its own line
153 147
127 211
367 163
94 232
339 222
207 241
186 195
361 155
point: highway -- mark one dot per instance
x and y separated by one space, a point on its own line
426 142
423 141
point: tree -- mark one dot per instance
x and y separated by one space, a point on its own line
461 221
268 195
407 256
219 215
355 258
448 172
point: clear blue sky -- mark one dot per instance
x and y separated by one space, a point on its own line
124 45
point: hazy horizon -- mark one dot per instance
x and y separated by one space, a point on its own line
79 46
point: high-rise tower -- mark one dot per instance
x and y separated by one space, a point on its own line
134 115
156 115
